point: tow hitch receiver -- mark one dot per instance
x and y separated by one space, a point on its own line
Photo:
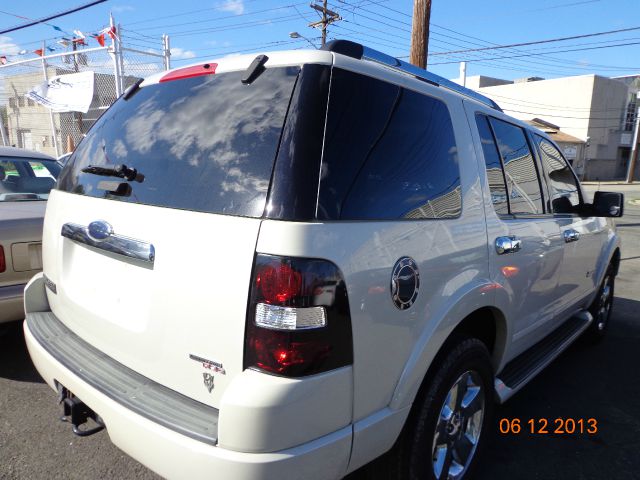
77 413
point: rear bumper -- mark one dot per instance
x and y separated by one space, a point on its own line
11 303
182 444
174 455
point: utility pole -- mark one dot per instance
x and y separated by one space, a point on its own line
634 148
463 74
54 134
420 33
328 17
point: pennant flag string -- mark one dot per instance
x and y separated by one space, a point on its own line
77 38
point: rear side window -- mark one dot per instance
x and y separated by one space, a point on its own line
206 143
520 172
565 196
495 175
389 153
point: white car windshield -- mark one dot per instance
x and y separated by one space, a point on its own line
26 179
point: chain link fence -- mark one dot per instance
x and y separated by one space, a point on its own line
27 124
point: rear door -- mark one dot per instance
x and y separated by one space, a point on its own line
154 269
582 235
525 248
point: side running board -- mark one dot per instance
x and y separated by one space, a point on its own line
522 369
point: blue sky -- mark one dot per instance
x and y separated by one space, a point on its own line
213 28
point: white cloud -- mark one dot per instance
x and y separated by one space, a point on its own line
233 6
7 47
178 53
122 8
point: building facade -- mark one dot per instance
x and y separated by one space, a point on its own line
597 111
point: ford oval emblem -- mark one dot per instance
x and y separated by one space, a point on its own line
405 283
100 230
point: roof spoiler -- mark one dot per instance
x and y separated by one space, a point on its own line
360 52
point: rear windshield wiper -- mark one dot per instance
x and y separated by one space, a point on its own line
120 171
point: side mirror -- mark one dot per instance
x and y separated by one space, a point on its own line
608 204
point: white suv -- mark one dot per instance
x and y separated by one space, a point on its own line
287 266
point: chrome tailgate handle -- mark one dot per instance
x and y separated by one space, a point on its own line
571 235
100 235
510 244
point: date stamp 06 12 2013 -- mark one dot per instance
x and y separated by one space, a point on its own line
544 426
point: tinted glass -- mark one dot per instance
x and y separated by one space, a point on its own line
206 143
24 179
293 194
389 153
565 196
495 175
519 168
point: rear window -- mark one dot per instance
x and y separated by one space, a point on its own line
25 179
389 153
206 143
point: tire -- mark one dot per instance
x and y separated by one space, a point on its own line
601 307
429 442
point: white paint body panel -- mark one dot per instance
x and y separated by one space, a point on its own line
194 300
151 319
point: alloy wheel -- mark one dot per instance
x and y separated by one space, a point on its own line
458 427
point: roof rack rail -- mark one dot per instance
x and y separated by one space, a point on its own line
356 50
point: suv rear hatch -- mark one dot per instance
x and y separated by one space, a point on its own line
203 148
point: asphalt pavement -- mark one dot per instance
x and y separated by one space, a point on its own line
600 382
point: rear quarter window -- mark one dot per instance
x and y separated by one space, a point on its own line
389 153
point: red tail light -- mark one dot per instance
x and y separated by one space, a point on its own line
3 262
278 283
298 321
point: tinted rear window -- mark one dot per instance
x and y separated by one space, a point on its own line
389 153
206 143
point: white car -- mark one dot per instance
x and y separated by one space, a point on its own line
289 265
25 180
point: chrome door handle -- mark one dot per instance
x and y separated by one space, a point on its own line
510 244
571 235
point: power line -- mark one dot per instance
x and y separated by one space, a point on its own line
537 42
50 17
257 12
562 51
559 62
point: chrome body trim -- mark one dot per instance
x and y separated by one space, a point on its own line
571 235
109 241
510 244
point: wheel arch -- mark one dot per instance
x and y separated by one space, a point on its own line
486 323
615 261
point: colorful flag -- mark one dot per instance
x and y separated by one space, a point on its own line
39 52
111 31
100 39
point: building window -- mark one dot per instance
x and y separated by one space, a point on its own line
630 116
